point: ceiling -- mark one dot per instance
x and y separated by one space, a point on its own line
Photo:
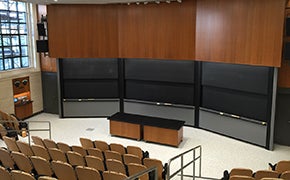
87 1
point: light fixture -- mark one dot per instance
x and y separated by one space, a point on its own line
180 1
137 3
157 2
168 1
145 2
128 4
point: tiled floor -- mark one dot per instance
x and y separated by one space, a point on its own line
218 152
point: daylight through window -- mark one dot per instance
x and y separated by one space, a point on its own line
14 36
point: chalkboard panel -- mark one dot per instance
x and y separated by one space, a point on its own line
160 92
236 77
90 89
238 103
89 68
160 70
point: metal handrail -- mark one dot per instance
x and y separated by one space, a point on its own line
183 166
147 171
29 128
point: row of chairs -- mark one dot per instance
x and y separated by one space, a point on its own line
10 122
19 175
248 174
38 166
95 157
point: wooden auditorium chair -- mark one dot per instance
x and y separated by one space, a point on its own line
4 174
41 166
63 170
22 162
111 175
96 152
21 175
241 172
24 148
135 151
161 170
241 177
285 175
266 174
102 145
118 148
11 143
282 166
95 162
57 154
75 159
87 173
113 155
86 143
137 168
40 151
63 146
6 159
115 165
46 178
37 140
49 143
130 158
80 150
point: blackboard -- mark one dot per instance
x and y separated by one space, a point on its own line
253 79
90 89
89 68
160 92
180 71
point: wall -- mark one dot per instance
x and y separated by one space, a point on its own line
232 31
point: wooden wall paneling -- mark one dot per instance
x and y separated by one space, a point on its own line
240 31
47 64
83 31
164 31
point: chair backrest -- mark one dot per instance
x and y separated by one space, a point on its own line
95 162
115 165
6 159
111 175
130 158
266 174
57 154
46 178
285 175
40 151
87 173
25 148
149 162
37 140
118 148
87 143
41 166
22 162
3 131
95 152
4 174
63 146
136 168
241 177
20 175
80 150
11 143
135 151
241 172
63 170
113 155
102 145
282 166
75 159
49 143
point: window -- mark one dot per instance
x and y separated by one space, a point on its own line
13 35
